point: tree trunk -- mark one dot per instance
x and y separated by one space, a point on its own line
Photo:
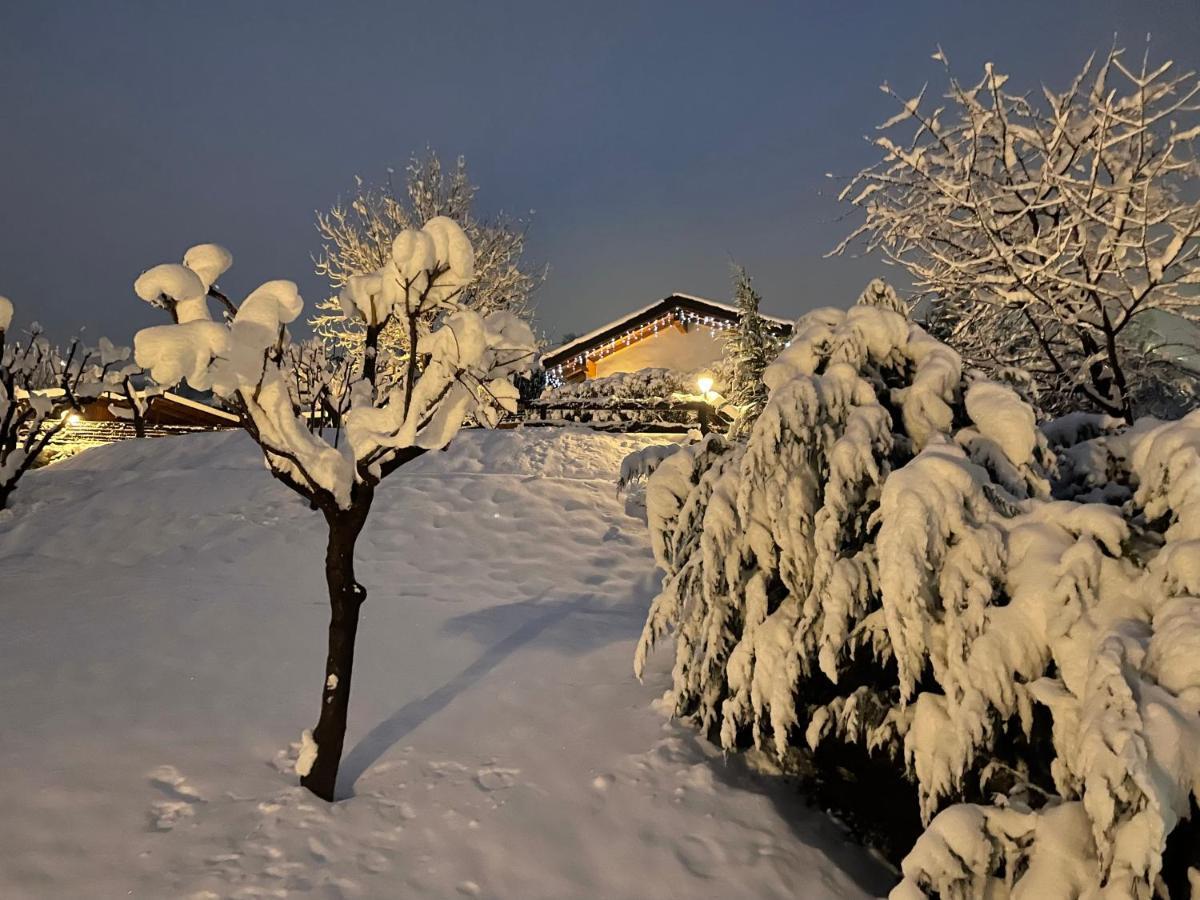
346 597
139 423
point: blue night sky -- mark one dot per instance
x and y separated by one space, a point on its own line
656 142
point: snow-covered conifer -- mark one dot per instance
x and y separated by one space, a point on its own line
462 367
884 563
750 349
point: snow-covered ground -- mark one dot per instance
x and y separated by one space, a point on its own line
163 645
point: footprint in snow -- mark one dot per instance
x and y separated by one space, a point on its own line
317 850
180 798
166 814
496 779
168 780
700 855
374 861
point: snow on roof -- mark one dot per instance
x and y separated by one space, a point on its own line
733 310
666 302
204 407
116 395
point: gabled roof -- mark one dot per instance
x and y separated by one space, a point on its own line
649 313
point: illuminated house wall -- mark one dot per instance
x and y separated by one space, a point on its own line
668 348
680 332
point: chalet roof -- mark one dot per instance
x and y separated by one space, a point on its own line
649 313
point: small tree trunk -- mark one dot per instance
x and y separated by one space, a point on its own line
346 597
139 418
139 422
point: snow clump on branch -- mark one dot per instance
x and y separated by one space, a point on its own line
462 365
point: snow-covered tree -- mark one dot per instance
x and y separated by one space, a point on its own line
749 348
357 239
884 563
462 366
122 377
41 388
1054 234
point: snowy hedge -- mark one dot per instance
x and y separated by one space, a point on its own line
598 400
898 558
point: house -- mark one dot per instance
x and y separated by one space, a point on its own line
168 410
109 418
680 332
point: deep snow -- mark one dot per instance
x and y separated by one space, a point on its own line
163 647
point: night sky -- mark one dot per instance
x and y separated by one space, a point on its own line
655 142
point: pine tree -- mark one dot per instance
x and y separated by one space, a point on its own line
750 349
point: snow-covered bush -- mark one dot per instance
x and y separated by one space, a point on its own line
645 384
41 388
884 564
643 397
462 367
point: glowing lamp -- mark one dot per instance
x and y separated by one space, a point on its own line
73 419
705 384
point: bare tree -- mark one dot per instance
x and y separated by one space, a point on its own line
1054 233
357 239
462 365
41 388
123 378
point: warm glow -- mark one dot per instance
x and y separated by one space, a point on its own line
73 419
705 384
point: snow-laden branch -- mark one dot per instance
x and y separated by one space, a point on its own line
357 239
1058 233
